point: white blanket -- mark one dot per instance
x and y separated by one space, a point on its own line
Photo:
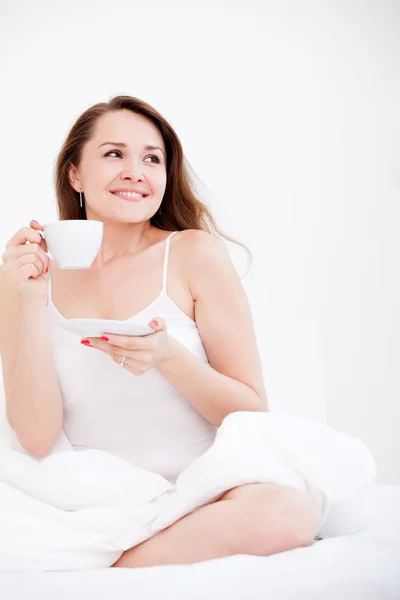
82 509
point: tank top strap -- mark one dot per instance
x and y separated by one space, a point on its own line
166 256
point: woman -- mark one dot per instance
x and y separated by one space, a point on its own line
155 401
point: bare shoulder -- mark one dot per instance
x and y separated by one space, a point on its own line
199 247
196 237
206 260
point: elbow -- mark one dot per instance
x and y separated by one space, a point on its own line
38 439
258 404
39 448
38 445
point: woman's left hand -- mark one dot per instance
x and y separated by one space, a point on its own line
141 352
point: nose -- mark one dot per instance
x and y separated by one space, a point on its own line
131 175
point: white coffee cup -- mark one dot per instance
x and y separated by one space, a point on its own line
74 243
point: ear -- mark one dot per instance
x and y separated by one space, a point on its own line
73 177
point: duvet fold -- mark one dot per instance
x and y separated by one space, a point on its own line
80 509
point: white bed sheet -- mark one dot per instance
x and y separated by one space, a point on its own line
361 566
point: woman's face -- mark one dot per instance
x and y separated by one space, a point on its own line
106 168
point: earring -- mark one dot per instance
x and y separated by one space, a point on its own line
80 198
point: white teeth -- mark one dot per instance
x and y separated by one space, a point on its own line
129 194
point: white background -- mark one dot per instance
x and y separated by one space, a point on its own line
289 114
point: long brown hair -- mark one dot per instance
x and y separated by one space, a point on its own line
181 207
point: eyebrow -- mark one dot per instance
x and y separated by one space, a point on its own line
123 145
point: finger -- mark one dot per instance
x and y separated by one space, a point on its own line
26 234
31 259
114 352
38 227
134 366
15 252
158 324
26 271
123 342
101 349
130 364
100 344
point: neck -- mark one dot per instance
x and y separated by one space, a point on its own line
123 239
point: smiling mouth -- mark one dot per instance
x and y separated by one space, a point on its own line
132 196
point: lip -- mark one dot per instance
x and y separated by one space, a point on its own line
130 199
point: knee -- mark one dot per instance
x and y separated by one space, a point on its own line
280 518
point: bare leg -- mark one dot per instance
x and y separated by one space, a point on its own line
260 519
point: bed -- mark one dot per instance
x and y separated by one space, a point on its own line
361 566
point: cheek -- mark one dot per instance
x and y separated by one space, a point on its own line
107 173
99 177
159 181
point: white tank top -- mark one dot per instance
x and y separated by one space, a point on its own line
141 418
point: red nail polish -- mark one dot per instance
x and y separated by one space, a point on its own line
86 342
103 337
155 322
47 269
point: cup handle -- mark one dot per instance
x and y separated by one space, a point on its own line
44 237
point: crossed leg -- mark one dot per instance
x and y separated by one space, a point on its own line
259 519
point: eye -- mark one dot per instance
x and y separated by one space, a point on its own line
154 156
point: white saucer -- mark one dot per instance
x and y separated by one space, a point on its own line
98 327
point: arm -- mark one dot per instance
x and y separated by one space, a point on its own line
33 398
233 379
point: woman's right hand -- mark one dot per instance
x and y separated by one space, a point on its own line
26 265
